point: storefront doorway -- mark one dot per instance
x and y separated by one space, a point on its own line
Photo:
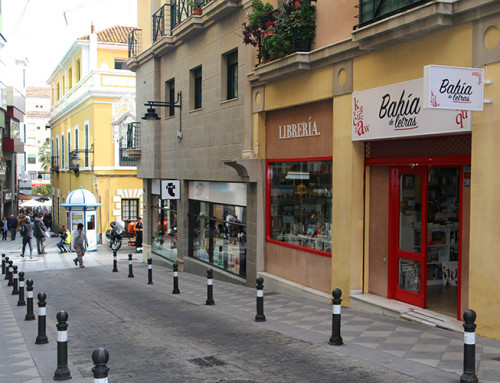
424 236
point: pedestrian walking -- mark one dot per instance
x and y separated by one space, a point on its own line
5 229
79 244
26 231
39 231
138 235
65 240
12 225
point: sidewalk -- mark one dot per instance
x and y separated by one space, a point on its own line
428 353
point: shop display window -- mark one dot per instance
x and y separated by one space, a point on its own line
164 215
300 204
218 235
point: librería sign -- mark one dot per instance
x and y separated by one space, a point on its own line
447 87
299 130
396 111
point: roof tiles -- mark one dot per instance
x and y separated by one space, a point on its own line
116 34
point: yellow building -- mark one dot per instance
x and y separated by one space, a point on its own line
93 100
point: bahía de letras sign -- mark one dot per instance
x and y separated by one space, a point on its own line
396 111
447 87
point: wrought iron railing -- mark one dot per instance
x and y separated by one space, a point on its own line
125 160
133 42
374 10
54 164
171 15
134 135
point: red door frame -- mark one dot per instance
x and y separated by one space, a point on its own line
395 253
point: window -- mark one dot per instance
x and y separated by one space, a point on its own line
232 75
76 137
86 143
57 151
121 64
196 93
70 78
77 71
69 147
218 235
170 96
31 159
63 148
300 204
130 210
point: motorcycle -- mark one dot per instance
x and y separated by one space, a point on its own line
114 236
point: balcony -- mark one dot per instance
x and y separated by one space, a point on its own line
125 159
54 164
280 32
133 149
134 42
371 11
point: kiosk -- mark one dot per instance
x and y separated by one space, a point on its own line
81 206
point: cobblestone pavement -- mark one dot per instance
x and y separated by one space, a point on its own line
155 336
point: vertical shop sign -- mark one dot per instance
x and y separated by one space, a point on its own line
447 87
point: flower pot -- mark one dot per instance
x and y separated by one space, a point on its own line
302 45
197 11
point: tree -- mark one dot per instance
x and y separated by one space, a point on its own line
45 190
44 156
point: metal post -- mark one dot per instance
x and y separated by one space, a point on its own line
176 279
62 370
150 271
115 262
3 263
210 287
15 280
130 270
6 268
469 374
336 339
100 357
11 270
29 300
42 312
21 301
260 317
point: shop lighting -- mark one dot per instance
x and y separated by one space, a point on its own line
297 176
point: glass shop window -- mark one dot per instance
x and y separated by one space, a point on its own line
300 205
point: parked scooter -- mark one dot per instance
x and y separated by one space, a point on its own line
115 235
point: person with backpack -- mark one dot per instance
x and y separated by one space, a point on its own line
65 240
26 231
39 231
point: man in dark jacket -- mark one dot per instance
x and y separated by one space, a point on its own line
12 224
26 230
39 231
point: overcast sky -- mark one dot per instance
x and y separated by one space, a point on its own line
44 30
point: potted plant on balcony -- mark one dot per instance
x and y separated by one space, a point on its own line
196 5
301 25
254 28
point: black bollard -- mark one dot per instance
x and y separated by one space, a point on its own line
3 263
469 374
150 271
115 262
336 339
210 287
130 270
100 357
21 301
62 370
6 268
176 279
260 317
11 271
42 312
29 300
15 281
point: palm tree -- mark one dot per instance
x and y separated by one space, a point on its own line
44 156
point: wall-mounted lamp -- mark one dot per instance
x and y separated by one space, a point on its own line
151 114
74 159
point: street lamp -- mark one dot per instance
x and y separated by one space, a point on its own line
151 114
74 162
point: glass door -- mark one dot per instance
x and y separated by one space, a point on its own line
407 222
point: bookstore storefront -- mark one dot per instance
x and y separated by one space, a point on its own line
299 194
417 197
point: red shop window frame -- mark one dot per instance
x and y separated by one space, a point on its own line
269 162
